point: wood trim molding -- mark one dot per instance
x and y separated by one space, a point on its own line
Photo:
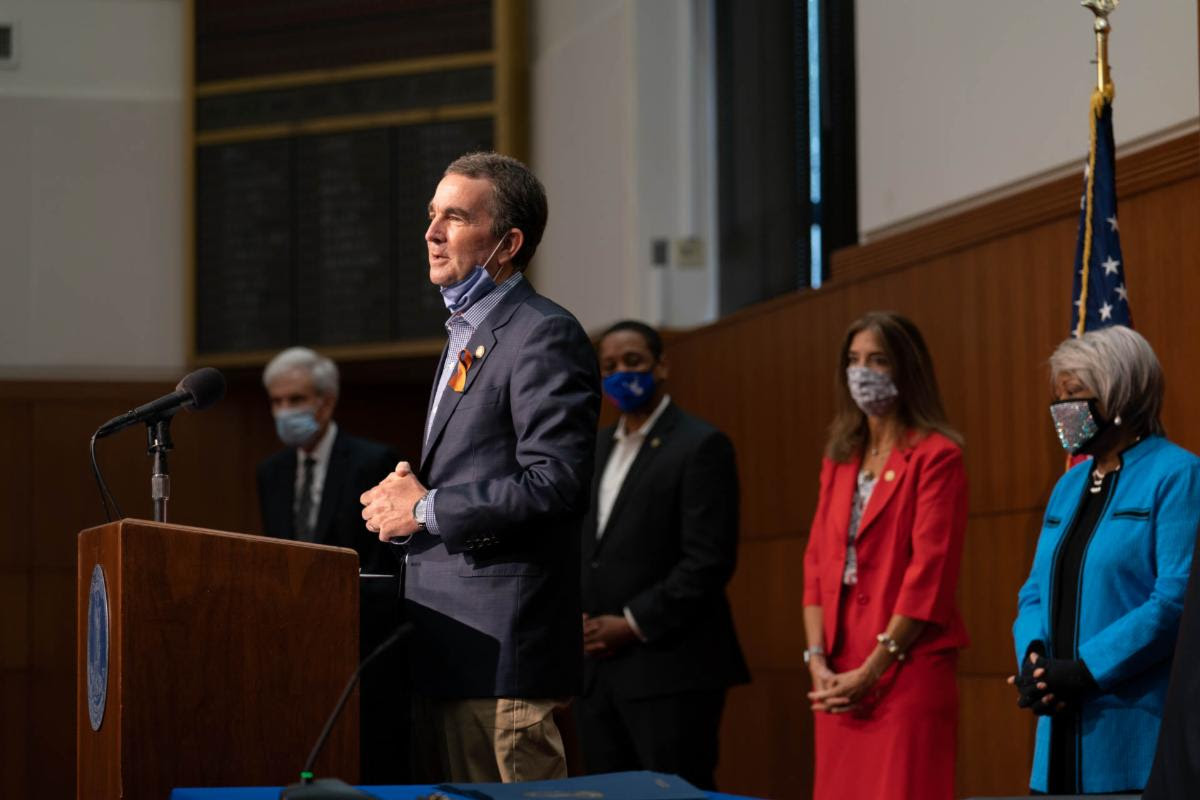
1155 167
1174 160
351 122
358 72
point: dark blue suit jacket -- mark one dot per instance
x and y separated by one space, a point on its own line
495 598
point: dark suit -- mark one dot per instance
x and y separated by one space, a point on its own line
355 465
495 597
667 551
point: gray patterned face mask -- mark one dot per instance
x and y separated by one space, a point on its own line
874 392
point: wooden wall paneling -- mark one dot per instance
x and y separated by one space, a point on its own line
51 764
15 655
1161 242
766 737
15 488
767 594
15 707
995 742
65 497
996 560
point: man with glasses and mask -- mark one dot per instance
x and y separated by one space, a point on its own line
659 545
488 519
309 491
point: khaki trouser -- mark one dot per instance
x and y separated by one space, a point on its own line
486 740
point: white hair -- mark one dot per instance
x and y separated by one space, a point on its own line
1119 365
323 371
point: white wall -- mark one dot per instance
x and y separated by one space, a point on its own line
622 136
92 197
956 98
960 97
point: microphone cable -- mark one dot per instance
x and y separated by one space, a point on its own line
105 495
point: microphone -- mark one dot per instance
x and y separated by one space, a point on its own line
196 392
332 788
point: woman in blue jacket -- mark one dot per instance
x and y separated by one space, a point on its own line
1098 616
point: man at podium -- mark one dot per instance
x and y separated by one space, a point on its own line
490 517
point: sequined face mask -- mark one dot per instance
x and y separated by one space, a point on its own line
873 392
1077 423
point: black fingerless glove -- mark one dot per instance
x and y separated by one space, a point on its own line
1028 693
1068 680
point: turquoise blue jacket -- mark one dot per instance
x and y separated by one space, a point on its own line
1133 577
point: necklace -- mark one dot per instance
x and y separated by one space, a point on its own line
1098 479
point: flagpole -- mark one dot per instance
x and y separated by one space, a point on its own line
1101 9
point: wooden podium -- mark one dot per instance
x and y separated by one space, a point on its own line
210 659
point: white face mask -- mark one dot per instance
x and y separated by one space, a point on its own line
874 392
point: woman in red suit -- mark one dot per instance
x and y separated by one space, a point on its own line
880 571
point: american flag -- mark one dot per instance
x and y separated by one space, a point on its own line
1100 297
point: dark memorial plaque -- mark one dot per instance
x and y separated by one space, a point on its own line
422 154
344 275
243 246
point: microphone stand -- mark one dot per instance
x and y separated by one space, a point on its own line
332 788
158 442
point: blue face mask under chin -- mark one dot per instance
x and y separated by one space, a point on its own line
296 426
630 390
460 296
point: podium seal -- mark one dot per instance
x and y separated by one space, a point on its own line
97 648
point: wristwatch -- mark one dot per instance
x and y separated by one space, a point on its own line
815 650
418 511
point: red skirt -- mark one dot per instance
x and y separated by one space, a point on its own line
902 742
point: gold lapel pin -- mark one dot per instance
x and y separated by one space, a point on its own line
655 442
890 475
479 351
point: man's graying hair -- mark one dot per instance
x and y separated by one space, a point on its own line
323 371
518 198
1119 365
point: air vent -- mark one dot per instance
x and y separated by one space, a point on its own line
8 45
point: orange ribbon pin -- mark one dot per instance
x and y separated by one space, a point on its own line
458 380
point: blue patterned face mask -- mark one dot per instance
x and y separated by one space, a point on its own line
296 426
630 390
459 296
1077 423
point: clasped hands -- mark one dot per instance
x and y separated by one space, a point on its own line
388 508
1048 685
839 692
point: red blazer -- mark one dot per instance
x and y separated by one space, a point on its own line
909 546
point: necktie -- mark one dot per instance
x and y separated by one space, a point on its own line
304 526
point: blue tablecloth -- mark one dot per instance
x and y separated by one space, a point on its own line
382 792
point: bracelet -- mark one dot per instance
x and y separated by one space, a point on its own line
891 645
815 650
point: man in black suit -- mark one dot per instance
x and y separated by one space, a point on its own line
309 492
659 545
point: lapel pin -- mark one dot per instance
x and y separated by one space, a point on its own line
655 442
890 475
479 351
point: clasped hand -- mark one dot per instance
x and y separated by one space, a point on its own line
1048 686
388 508
841 691
605 635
